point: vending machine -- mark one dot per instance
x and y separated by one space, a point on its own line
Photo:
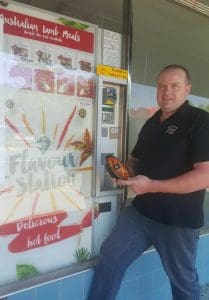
110 141
59 119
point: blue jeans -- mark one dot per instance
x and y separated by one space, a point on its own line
130 237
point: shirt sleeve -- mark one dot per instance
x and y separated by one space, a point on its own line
199 147
136 150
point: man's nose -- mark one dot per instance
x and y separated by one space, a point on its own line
168 90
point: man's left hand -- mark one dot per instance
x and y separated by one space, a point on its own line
139 184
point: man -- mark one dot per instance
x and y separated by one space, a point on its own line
170 162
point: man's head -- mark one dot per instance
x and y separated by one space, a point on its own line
173 87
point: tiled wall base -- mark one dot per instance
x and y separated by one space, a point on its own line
145 279
205 292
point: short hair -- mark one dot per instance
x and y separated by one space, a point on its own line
176 67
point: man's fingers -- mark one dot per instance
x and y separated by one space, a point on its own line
123 182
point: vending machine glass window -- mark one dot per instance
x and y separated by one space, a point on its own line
111 134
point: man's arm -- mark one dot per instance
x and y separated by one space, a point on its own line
191 181
132 164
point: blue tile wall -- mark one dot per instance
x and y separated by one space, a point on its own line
48 291
73 287
26 295
87 279
144 279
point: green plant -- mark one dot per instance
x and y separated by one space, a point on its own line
24 271
73 24
82 255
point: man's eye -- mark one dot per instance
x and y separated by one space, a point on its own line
175 86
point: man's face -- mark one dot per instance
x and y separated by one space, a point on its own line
172 90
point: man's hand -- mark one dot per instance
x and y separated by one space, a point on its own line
139 184
191 181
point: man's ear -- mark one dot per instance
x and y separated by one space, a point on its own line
189 88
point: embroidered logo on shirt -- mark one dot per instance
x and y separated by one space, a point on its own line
171 129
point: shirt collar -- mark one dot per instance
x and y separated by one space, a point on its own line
179 111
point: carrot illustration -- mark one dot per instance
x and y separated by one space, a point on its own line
85 146
66 127
43 121
35 202
87 139
84 169
69 142
7 190
55 131
87 220
52 200
70 200
12 126
27 124
10 214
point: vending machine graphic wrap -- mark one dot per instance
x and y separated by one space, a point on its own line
47 95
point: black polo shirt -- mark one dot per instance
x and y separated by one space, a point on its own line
168 149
